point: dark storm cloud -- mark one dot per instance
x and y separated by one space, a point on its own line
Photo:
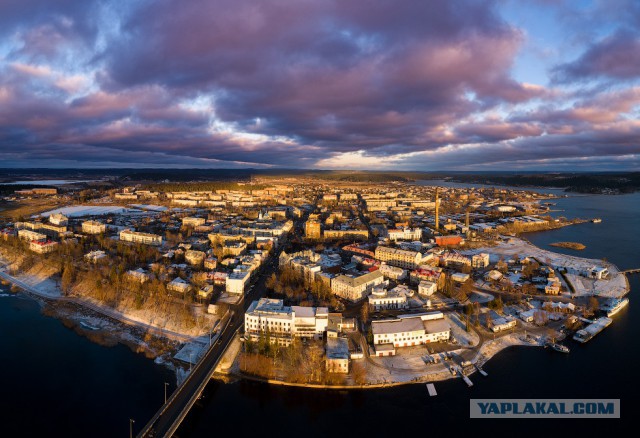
296 83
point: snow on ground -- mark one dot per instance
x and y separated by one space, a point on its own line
459 332
86 210
150 207
191 352
615 286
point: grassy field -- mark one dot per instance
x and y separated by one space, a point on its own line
25 208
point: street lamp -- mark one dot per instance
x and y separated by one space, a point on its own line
165 392
131 421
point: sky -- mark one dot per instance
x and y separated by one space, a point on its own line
466 85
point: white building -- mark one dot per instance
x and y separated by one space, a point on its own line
427 288
355 288
59 219
237 281
382 299
42 247
95 256
480 261
136 237
393 272
398 257
31 235
93 227
193 221
405 234
337 355
282 322
409 331
179 285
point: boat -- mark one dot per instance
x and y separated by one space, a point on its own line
596 220
559 347
615 306
587 333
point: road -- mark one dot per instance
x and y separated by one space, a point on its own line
170 416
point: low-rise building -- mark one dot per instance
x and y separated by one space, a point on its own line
31 236
194 258
480 261
408 331
427 288
42 247
405 234
383 299
237 281
193 221
93 227
95 256
178 285
337 355
59 219
355 288
139 275
398 257
137 237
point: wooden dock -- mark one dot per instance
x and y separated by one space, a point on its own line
481 371
431 389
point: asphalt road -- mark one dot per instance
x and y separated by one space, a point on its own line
182 399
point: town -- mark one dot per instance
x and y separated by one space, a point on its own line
344 284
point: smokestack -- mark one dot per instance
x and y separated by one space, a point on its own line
437 212
466 220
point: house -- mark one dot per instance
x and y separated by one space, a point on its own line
382 299
139 275
480 261
178 285
427 288
337 355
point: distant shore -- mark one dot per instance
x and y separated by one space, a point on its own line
570 245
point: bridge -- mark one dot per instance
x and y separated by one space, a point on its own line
167 420
169 417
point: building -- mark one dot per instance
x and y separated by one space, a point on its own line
139 275
234 248
59 219
451 240
178 285
355 288
393 272
480 261
31 236
409 331
382 299
193 221
398 257
337 355
95 256
194 258
427 288
312 229
405 234
281 323
52 230
553 286
93 227
136 237
237 281
210 263
42 247
348 233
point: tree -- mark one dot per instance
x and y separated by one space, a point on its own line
359 373
364 313
593 304
68 277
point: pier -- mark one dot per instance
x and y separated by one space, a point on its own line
467 380
432 389
481 371
631 271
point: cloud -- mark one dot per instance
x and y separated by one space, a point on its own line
614 57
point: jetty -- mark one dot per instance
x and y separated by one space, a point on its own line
432 389
467 380
631 271
481 371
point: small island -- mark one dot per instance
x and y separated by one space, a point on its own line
571 245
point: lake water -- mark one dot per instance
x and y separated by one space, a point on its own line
56 383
